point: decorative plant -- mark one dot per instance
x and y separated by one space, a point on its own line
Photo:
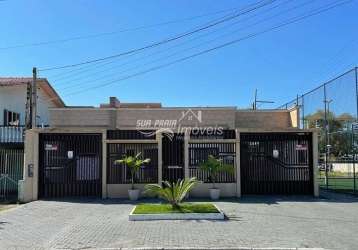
174 192
214 166
134 164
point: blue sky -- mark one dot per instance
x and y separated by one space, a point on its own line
280 64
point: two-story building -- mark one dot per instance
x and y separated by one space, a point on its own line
15 117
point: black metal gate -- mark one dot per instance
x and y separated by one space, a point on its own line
70 165
173 157
11 171
276 163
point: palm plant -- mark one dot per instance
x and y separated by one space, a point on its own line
214 166
134 164
174 192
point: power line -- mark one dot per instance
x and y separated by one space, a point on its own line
184 50
178 45
74 38
165 40
288 22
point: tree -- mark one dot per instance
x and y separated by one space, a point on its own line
174 192
339 133
214 166
134 164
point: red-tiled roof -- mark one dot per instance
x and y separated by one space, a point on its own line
7 81
42 83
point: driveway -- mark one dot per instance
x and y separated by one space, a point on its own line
261 222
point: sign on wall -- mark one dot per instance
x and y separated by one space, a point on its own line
51 147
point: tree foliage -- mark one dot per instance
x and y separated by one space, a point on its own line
134 163
338 129
214 166
174 192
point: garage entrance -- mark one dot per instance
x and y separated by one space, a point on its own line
70 165
276 163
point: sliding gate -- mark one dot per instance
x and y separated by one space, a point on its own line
276 163
70 165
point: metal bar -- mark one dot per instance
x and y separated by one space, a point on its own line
354 155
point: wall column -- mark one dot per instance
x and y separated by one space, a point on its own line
160 158
186 154
104 165
238 169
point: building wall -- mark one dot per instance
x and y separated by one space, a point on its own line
13 98
265 119
127 118
80 117
29 186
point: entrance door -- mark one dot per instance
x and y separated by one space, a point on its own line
70 165
173 157
276 163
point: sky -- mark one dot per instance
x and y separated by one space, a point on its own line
281 63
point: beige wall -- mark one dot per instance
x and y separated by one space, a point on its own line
276 119
127 118
78 117
202 190
29 185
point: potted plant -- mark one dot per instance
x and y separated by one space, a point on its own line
134 164
214 166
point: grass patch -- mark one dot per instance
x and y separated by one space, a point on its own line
167 208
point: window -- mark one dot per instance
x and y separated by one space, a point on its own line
11 118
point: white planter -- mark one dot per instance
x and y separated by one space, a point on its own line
214 193
177 216
133 194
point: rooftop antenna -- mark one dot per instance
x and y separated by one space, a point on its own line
254 104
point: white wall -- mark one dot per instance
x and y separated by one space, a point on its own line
13 98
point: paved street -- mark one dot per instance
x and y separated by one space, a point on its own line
253 222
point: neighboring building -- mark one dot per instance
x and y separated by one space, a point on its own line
14 118
14 98
76 155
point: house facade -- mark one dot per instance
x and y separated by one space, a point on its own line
15 94
75 155
15 113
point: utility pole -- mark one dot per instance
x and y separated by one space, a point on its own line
254 104
34 98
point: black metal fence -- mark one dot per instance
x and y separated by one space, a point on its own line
332 108
276 163
199 152
11 171
120 174
173 157
70 165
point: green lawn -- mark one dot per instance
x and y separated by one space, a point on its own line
340 184
184 208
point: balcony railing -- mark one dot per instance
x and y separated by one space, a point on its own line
12 134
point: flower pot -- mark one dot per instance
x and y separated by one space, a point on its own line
133 194
214 193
